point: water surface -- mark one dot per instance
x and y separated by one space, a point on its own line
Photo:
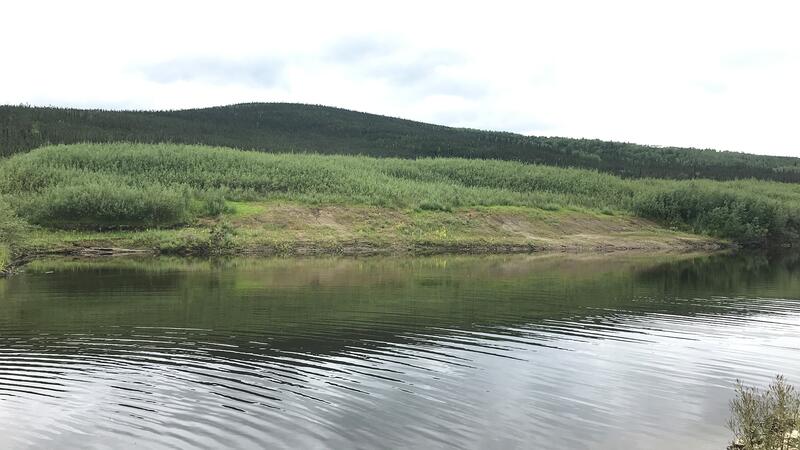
620 351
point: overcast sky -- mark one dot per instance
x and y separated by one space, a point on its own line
712 74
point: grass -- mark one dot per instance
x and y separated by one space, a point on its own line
244 209
172 190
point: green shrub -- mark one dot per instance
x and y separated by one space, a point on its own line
220 240
429 205
217 241
740 215
10 227
765 419
213 203
5 258
10 224
105 205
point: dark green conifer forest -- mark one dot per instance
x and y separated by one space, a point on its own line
282 127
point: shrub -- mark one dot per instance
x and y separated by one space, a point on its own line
213 203
765 419
105 205
218 241
10 224
432 205
740 216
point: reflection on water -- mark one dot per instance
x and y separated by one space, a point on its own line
500 352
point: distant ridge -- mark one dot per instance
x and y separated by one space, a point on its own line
287 127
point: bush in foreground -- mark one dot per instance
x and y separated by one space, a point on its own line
766 419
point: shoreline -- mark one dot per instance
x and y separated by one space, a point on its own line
287 229
371 249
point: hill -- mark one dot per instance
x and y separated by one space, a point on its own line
282 127
138 186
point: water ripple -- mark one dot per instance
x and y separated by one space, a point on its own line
506 353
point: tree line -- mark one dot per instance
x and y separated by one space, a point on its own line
282 127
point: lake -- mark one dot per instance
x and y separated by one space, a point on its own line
549 351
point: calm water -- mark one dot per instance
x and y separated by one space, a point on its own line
543 352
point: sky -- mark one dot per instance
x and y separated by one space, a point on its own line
706 74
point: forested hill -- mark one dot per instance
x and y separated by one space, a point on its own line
282 127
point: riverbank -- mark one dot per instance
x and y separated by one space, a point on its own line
134 186
191 200
278 228
5 259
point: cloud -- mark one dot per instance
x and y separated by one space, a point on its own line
355 49
255 72
755 58
711 87
453 86
437 73
404 66
616 70
471 118
414 67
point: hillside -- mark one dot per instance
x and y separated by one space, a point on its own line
185 199
280 127
196 200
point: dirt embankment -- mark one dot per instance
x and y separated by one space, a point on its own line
287 229
303 230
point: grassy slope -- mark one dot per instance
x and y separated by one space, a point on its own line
193 199
291 228
276 127
116 186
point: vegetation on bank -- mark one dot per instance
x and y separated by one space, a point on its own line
137 186
767 419
10 227
280 127
5 258
292 229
